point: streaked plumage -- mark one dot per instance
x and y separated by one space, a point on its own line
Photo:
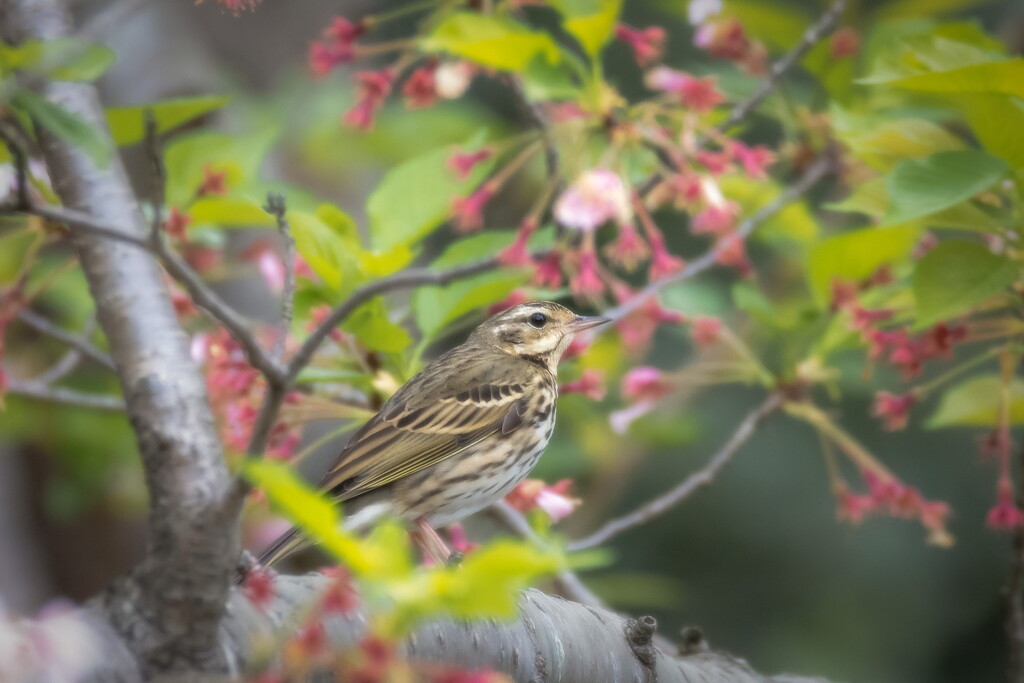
460 434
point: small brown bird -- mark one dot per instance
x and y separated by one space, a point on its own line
459 435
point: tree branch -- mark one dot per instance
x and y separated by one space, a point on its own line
405 279
551 640
44 392
277 208
168 609
686 488
814 34
75 341
815 172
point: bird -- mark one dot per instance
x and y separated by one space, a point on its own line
457 436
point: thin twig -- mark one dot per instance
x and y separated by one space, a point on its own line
1014 623
568 584
201 293
277 208
413 277
814 34
71 397
815 172
69 361
19 155
686 488
159 179
76 341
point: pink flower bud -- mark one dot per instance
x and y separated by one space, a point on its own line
597 196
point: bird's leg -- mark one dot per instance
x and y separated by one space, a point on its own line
431 543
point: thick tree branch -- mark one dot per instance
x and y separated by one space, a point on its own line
815 172
686 488
169 607
551 641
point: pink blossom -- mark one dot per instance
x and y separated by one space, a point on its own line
716 219
258 587
724 38
853 507
753 159
452 79
337 46
311 639
269 264
844 294
864 319
629 249
553 500
340 597
645 383
467 212
647 43
590 384
620 420
213 182
420 87
893 409
1005 516
732 252
374 87
462 164
517 254
176 223
716 163
548 272
942 338
844 43
705 331
596 196
458 541
586 284
637 328
699 94
663 264
236 7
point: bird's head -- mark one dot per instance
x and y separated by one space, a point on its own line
540 329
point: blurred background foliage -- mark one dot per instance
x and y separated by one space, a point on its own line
758 561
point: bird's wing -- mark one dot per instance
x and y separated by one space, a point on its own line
437 414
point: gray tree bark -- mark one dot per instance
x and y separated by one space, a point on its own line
175 616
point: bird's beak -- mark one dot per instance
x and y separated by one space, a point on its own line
584 322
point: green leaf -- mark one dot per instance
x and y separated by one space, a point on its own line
919 187
372 326
436 307
974 402
872 199
996 121
416 197
128 124
853 256
1002 77
487 583
229 212
492 41
794 223
62 59
189 157
327 250
16 250
591 22
317 516
956 276
543 80
65 125
884 145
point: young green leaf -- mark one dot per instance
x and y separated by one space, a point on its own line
955 276
591 22
64 125
919 187
493 41
853 256
974 402
416 197
128 124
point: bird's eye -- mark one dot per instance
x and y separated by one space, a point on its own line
538 319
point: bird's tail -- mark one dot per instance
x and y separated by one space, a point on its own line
290 542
